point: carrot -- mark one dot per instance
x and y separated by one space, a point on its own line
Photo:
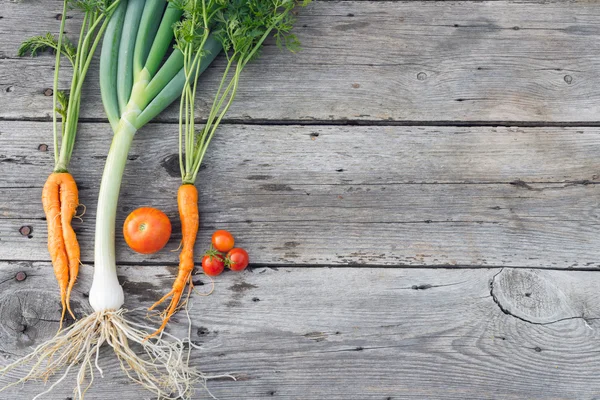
187 202
60 199
60 196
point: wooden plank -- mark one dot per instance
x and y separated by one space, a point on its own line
376 61
353 333
332 155
422 196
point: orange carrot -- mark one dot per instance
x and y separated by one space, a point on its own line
60 200
187 201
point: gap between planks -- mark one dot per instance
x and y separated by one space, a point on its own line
276 266
354 122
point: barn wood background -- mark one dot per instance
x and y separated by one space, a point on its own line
417 189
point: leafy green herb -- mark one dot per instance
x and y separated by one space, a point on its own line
93 6
40 43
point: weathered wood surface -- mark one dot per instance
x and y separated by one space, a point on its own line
323 195
355 333
378 209
375 61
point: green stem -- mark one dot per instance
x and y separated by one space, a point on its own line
215 107
55 86
74 105
209 135
167 72
173 89
82 50
126 51
181 167
109 59
163 38
153 12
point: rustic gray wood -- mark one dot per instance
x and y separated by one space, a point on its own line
323 195
352 334
348 226
375 61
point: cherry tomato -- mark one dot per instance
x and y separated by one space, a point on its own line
147 230
237 259
222 241
213 265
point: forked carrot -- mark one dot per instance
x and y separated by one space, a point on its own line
187 202
60 199
60 196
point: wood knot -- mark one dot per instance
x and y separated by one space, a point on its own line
171 165
531 295
27 316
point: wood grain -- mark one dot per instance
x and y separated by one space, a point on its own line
341 221
347 333
325 195
375 61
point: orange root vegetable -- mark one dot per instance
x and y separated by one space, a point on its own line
60 199
187 201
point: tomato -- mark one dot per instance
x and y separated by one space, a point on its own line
237 259
222 241
213 265
147 230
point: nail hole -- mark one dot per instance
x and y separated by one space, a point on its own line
26 230
43 147
202 331
21 276
48 92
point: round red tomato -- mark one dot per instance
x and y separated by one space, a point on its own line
147 230
213 265
237 259
223 241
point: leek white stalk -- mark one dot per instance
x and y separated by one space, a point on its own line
106 293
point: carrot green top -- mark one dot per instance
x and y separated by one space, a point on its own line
95 20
